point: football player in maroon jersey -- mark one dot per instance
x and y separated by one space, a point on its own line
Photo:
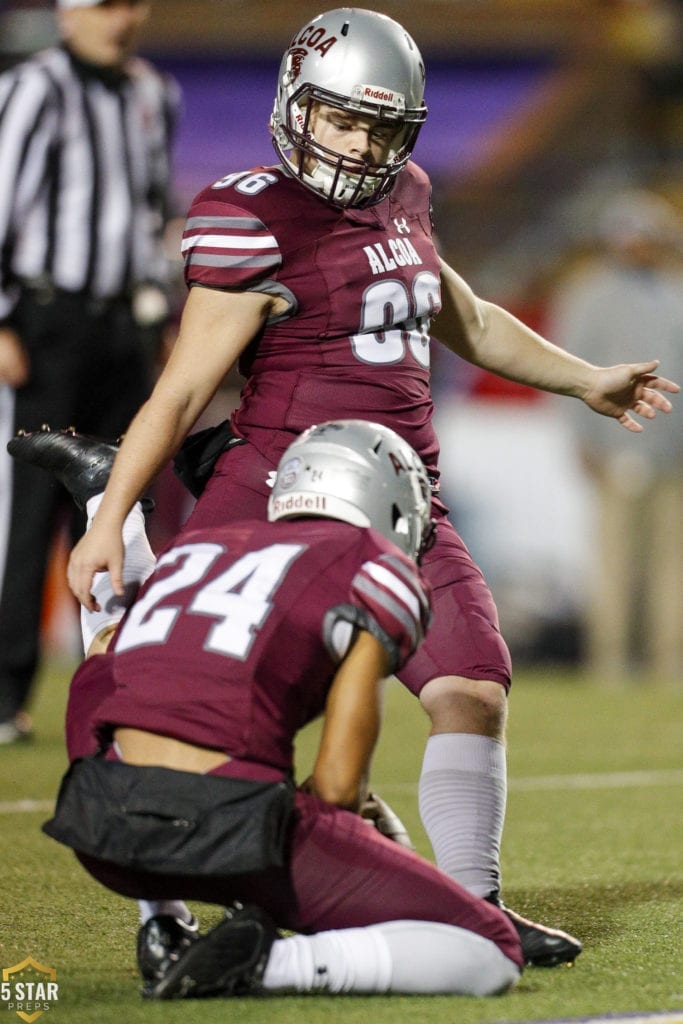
243 633
319 276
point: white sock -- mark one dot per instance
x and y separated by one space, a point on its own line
344 960
397 956
138 564
173 908
429 957
462 796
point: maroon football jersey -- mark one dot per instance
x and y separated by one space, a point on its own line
361 287
234 640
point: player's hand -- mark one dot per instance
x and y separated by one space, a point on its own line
377 812
630 387
99 550
14 362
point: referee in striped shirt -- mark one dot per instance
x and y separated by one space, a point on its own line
85 137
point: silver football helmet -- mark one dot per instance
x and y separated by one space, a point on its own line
363 63
360 472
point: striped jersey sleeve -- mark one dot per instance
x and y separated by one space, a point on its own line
226 247
389 599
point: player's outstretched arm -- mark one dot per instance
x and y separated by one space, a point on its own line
489 337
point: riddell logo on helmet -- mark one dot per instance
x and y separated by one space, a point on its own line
372 92
300 503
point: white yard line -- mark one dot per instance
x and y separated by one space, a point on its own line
25 806
599 780
581 780
675 1017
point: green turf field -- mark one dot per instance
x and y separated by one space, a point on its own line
594 843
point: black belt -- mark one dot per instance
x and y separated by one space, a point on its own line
44 291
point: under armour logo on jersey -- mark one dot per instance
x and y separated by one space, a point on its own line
271 478
402 225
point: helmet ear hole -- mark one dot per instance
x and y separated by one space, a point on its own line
395 515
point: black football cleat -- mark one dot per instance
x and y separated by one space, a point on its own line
81 463
541 946
162 940
228 961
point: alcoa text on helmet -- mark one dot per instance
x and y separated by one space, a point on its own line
364 64
361 473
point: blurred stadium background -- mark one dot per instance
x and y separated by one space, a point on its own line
539 110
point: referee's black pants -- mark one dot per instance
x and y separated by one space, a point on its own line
90 369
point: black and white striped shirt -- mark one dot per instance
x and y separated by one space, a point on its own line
84 175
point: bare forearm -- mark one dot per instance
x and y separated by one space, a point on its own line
489 337
512 350
350 796
495 340
351 726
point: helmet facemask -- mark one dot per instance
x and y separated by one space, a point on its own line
342 180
